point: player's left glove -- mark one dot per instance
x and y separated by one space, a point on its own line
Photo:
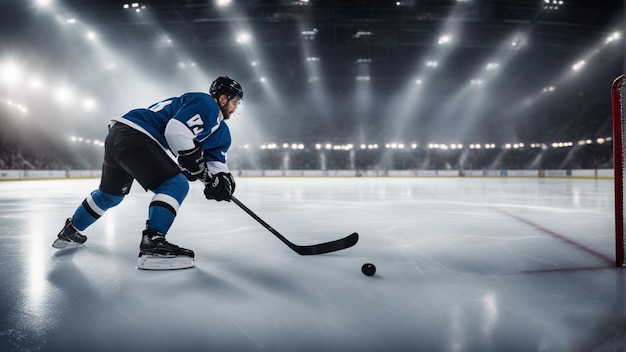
220 187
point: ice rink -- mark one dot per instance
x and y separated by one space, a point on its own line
464 264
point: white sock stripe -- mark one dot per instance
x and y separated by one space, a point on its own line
162 197
94 206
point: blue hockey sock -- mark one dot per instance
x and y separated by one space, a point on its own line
164 205
93 207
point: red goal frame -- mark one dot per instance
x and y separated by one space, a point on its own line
618 103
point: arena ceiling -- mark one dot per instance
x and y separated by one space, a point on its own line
347 70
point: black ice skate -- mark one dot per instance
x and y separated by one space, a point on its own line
68 235
155 253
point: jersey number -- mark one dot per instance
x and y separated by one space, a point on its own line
196 124
160 105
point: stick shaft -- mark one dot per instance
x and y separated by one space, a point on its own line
313 249
261 221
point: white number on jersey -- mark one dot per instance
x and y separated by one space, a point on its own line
160 105
196 124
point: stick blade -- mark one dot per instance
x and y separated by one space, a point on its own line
328 247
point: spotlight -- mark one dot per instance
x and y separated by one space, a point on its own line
243 38
223 3
444 39
578 66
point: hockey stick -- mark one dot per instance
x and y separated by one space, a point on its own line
313 249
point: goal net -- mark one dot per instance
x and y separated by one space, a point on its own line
618 101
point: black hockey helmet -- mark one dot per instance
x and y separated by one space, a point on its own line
226 85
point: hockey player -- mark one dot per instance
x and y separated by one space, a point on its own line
192 128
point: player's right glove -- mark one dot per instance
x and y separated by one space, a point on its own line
192 163
220 187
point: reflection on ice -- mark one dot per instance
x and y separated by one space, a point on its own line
463 265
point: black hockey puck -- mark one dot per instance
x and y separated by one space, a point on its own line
368 269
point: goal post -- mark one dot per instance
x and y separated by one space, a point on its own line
618 103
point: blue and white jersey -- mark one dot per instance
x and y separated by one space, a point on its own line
176 122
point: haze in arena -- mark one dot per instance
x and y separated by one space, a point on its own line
476 147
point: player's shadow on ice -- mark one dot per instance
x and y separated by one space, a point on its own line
65 275
271 281
204 280
67 252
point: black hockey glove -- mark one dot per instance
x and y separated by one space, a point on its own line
192 163
220 187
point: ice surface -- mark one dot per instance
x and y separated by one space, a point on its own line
463 264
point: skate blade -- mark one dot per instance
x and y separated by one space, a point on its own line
173 262
60 243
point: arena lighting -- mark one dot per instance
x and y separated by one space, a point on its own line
470 102
89 104
587 58
492 66
568 74
243 38
578 65
317 94
562 144
363 34
442 146
64 94
309 34
552 4
549 89
240 27
185 65
408 100
91 36
14 105
223 3
43 3
270 146
10 73
166 40
100 60
613 37
444 39
501 57
135 6
95 142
